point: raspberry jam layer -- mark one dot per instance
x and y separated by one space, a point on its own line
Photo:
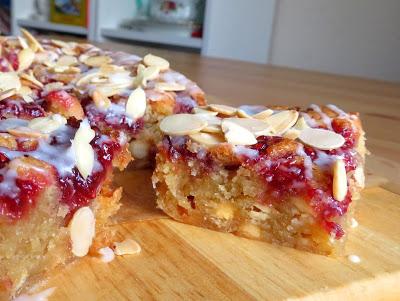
19 193
20 109
286 174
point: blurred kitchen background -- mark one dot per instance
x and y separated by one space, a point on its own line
348 37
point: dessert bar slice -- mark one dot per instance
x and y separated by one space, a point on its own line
275 174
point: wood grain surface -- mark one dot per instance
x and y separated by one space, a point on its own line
181 262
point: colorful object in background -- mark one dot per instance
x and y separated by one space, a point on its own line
177 11
5 17
71 12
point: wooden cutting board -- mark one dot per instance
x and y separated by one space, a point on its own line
184 262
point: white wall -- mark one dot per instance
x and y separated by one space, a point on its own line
353 37
239 29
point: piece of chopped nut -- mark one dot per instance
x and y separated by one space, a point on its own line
82 231
339 187
152 60
127 247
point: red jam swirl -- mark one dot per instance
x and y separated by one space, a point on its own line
20 109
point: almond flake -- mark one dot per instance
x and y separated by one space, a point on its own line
169 87
149 73
182 124
136 104
255 126
82 231
282 121
47 124
53 86
97 61
198 110
213 123
33 43
30 78
84 154
66 60
127 247
207 138
292 134
223 109
7 93
243 113
339 186
22 131
212 128
152 60
236 134
301 124
70 50
60 44
101 101
9 80
25 58
321 139
139 149
23 42
263 114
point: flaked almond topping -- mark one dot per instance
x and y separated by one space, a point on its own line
255 126
213 123
139 149
243 113
97 61
9 80
82 231
282 121
59 43
136 103
149 73
33 43
66 69
207 138
292 134
321 139
212 128
127 247
101 101
31 78
22 131
152 60
339 186
236 134
66 60
7 93
70 50
182 124
86 77
53 86
198 110
223 109
108 69
301 124
84 153
47 124
22 42
25 58
169 87
263 114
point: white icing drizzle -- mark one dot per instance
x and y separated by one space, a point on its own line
325 118
307 161
113 114
324 160
309 121
7 186
241 150
338 111
252 109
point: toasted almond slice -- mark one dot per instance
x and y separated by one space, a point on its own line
7 93
60 44
243 113
223 109
108 69
212 129
321 139
198 110
32 79
182 124
70 50
301 124
86 77
136 103
23 42
9 80
282 121
25 58
22 131
101 101
292 134
27 98
169 87
84 153
67 60
47 124
53 86
148 73
263 114
139 149
213 123
339 186
82 229
257 127
236 134
109 91
97 61
24 90
33 43
207 139
127 247
152 60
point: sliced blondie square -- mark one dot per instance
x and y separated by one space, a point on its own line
275 174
